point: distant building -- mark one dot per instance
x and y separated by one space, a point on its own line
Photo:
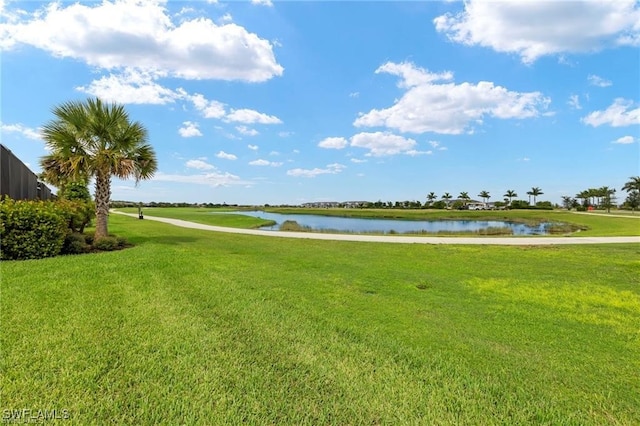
336 204
17 181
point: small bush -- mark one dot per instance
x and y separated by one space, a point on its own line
75 243
78 213
106 244
122 242
31 229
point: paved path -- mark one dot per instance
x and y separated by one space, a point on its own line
512 241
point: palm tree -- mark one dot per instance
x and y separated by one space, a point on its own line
446 196
464 196
607 197
584 195
431 196
96 140
632 185
484 195
510 194
535 191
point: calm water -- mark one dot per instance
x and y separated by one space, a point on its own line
317 222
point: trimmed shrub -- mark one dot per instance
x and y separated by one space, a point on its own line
106 244
78 213
75 243
122 242
31 229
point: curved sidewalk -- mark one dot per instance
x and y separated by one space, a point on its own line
510 241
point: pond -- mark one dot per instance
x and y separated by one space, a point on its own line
319 223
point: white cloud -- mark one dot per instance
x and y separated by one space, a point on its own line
358 160
574 102
226 156
332 169
253 147
447 108
354 94
141 35
625 140
262 162
208 108
533 29
619 114
598 81
333 143
131 87
267 3
382 144
244 130
199 164
23 130
189 130
249 116
214 179
285 134
437 145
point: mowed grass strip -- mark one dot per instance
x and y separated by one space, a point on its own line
207 216
194 327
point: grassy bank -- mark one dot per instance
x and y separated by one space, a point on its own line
198 327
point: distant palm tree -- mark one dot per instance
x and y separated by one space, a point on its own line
446 196
94 139
567 202
535 191
484 195
584 196
431 197
464 196
510 194
606 197
632 185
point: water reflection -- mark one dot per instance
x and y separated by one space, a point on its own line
394 226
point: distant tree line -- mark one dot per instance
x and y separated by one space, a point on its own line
599 198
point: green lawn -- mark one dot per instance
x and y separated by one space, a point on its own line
195 327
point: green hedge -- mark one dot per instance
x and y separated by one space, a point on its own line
32 229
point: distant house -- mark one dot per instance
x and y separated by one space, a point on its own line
17 181
336 204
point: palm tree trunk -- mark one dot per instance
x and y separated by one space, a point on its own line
103 194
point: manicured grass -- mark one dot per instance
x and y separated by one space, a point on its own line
194 327
207 216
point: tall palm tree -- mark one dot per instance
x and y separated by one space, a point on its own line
431 197
584 195
484 195
510 194
446 196
535 191
633 184
93 139
464 196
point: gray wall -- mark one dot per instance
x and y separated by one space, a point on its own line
17 181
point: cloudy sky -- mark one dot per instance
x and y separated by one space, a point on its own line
290 102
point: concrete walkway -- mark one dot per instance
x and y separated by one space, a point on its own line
511 241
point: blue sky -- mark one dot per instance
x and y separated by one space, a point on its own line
292 102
